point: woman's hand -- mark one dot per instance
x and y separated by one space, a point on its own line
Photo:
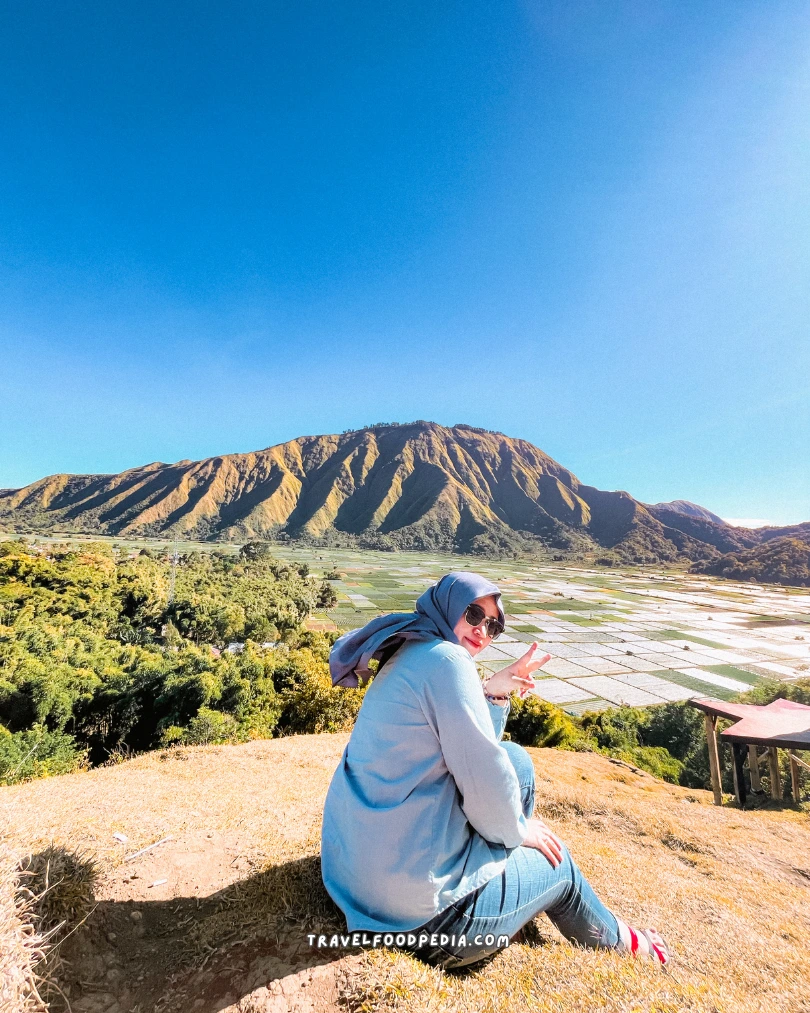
517 677
543 840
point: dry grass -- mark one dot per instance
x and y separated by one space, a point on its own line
730 890
54 891
58 887
22 947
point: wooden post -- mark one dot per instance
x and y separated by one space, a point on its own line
794 779
776 776
710 721
738 756
753 764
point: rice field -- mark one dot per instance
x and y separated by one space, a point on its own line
615 637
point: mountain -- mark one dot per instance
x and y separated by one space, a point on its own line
781 560
696 522
412 486
683 506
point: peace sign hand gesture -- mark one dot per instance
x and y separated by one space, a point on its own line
517 677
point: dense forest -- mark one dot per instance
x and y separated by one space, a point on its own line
96 661
106 653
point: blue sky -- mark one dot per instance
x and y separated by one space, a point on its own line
223 226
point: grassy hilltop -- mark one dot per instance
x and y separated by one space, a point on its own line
105 652
216 917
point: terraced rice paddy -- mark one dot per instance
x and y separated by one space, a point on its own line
614 637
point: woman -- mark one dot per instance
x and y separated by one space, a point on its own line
428 826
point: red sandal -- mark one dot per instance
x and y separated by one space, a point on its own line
643 943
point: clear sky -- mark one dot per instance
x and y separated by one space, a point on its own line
587 224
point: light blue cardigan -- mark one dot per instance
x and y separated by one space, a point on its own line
424 806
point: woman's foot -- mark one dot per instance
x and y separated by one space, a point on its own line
643 943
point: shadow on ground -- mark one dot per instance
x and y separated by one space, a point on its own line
205 954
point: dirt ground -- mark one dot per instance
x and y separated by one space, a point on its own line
216 917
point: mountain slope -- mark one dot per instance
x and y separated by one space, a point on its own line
683 506
722 536
775 561
419 485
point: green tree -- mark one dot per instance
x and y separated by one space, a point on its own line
254 551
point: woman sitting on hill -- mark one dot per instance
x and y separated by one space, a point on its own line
428 827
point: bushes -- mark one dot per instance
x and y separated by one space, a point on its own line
626 734
37 753
309 702
315 705
534 722
654 759
766 692
667 740
207 727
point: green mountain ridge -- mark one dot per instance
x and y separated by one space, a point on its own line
409 486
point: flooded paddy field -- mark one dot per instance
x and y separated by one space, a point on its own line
615 637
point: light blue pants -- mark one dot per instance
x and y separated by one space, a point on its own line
528 885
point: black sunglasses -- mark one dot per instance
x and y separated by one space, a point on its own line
475 615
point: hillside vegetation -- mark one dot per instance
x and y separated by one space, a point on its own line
667 740
411 486
215 919
96 661
780 561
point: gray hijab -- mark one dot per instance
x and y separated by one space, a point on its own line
437 612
